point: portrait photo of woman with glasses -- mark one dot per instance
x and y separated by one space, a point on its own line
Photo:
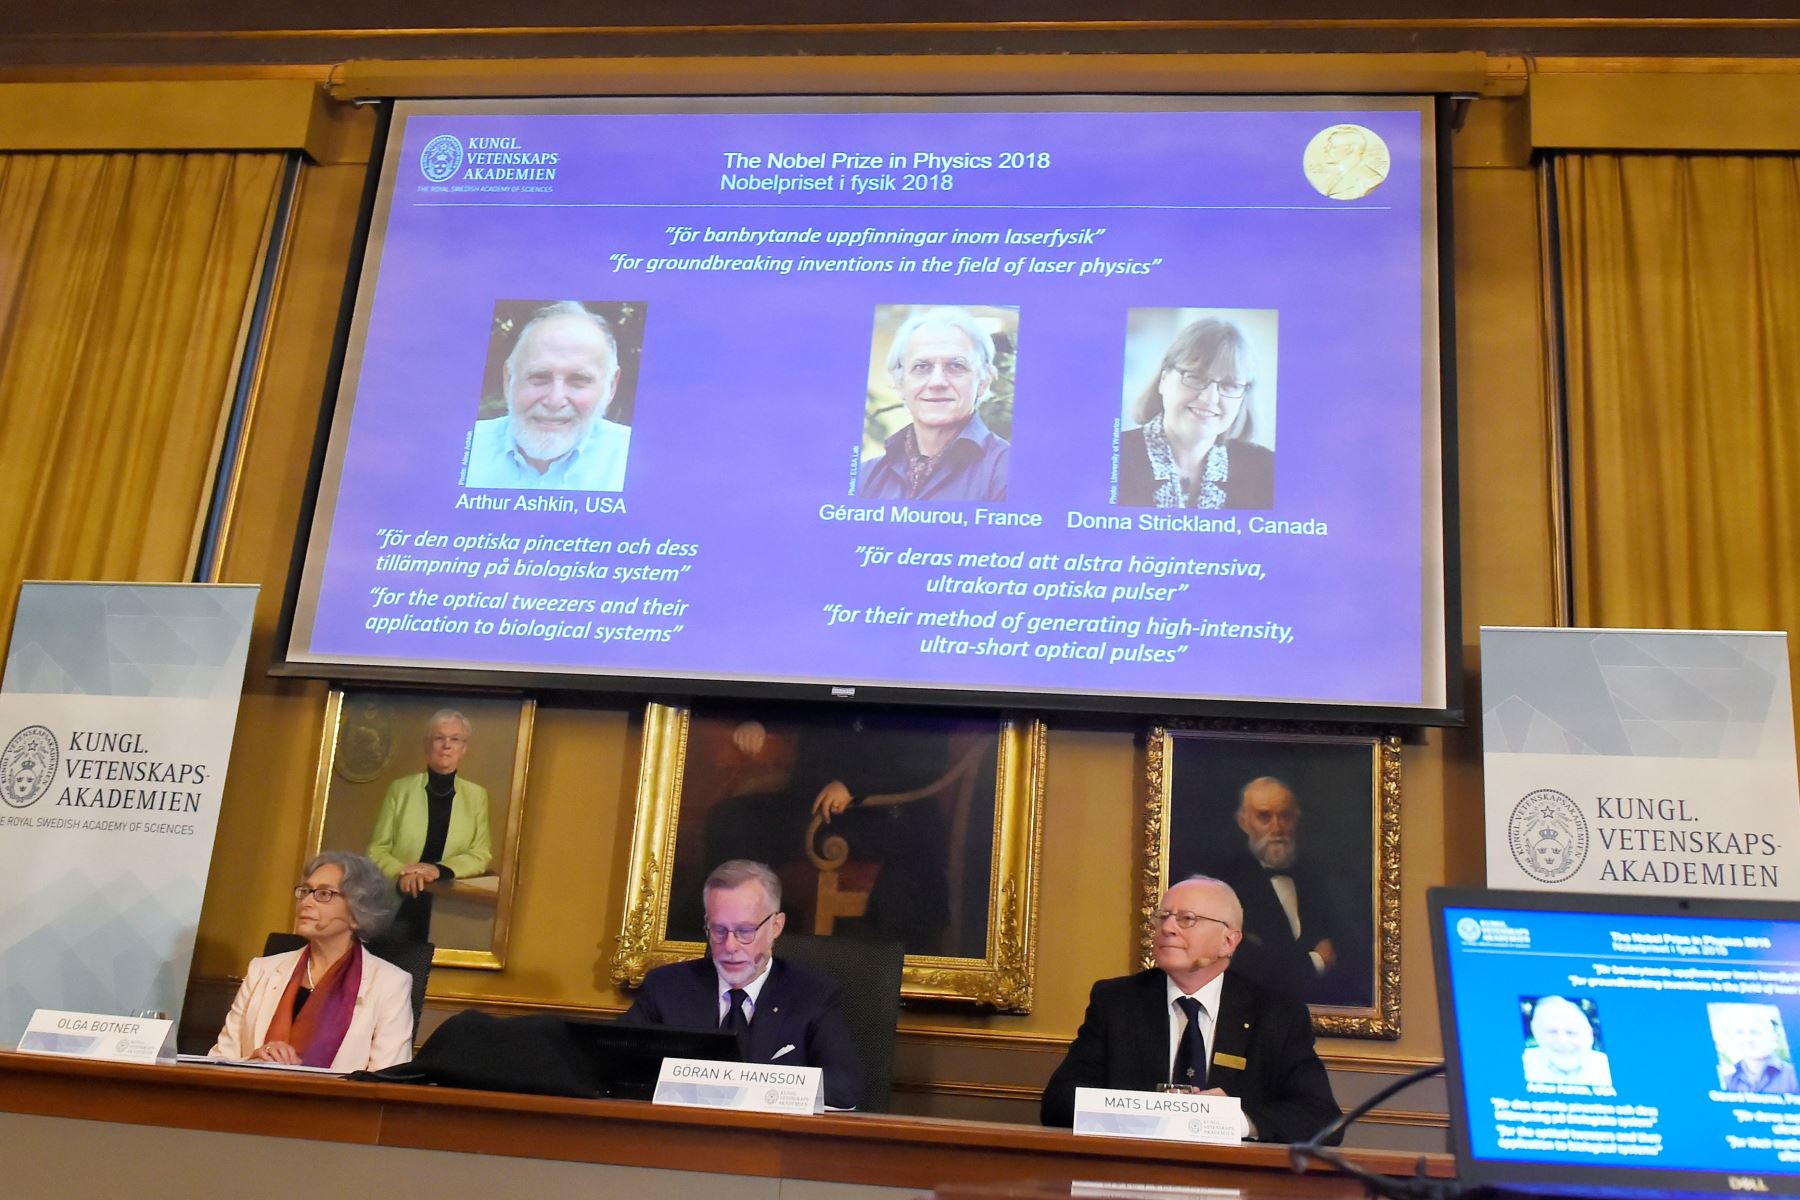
1198 430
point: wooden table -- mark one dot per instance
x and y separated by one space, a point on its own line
854 1148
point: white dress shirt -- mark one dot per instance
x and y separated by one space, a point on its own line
1289 896
752 990
1208 996
596 465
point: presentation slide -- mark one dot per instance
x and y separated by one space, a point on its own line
1118 398
1611 1040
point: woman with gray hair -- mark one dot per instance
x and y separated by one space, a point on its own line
331 1003
432 828
1194 447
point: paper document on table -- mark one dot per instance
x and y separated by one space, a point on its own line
204 1060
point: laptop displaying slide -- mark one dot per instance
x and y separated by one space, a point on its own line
1620 1044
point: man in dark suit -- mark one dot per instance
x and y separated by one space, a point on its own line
1300 932
1188 1022
781 1013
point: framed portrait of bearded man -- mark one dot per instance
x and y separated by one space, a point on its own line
1303 821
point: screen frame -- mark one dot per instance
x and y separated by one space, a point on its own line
1441 614
1491 1172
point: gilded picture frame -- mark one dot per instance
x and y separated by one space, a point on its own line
371 745
1256 804
738 783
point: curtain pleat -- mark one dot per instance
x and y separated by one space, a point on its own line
124 279
1681 300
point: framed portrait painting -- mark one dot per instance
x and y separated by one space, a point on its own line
915 827
1304 823
392 764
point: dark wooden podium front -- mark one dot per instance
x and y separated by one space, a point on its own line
915 1153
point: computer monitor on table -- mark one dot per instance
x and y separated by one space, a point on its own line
623 1061
1600 1045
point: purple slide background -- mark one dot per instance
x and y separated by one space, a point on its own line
750 398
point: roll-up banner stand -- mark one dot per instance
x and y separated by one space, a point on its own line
1646 761
116 717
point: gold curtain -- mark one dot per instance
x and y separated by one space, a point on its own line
125 280
1681 298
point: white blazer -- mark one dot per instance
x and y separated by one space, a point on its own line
381 1026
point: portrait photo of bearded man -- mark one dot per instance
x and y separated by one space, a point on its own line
563 426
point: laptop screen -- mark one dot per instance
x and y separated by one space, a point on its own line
1599 1042
624 1060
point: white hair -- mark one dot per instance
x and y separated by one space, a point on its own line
562 308
739 871
1549 1004
1234 907
946 316
450 714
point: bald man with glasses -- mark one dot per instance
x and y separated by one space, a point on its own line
1189 1024
781 1013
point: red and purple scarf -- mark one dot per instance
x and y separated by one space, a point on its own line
319 1029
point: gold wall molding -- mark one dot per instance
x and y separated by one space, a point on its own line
962 1038
1611 103
1645 65
315 73
1468 71
167 114
376 25
1406 1116
1012 1092
1661 106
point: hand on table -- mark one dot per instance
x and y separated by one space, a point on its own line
276 1052
417 878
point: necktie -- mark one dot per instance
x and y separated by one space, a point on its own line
1190 1056
736 1022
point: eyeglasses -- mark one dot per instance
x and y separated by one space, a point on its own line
324 895
1183 918
1199 381
953 368
745 934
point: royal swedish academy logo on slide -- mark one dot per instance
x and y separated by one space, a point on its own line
28 766
1469 929
1548 836
441 157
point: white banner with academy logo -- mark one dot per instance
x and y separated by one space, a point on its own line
1640 761
116 720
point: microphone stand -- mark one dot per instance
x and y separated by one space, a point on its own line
1416 1187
